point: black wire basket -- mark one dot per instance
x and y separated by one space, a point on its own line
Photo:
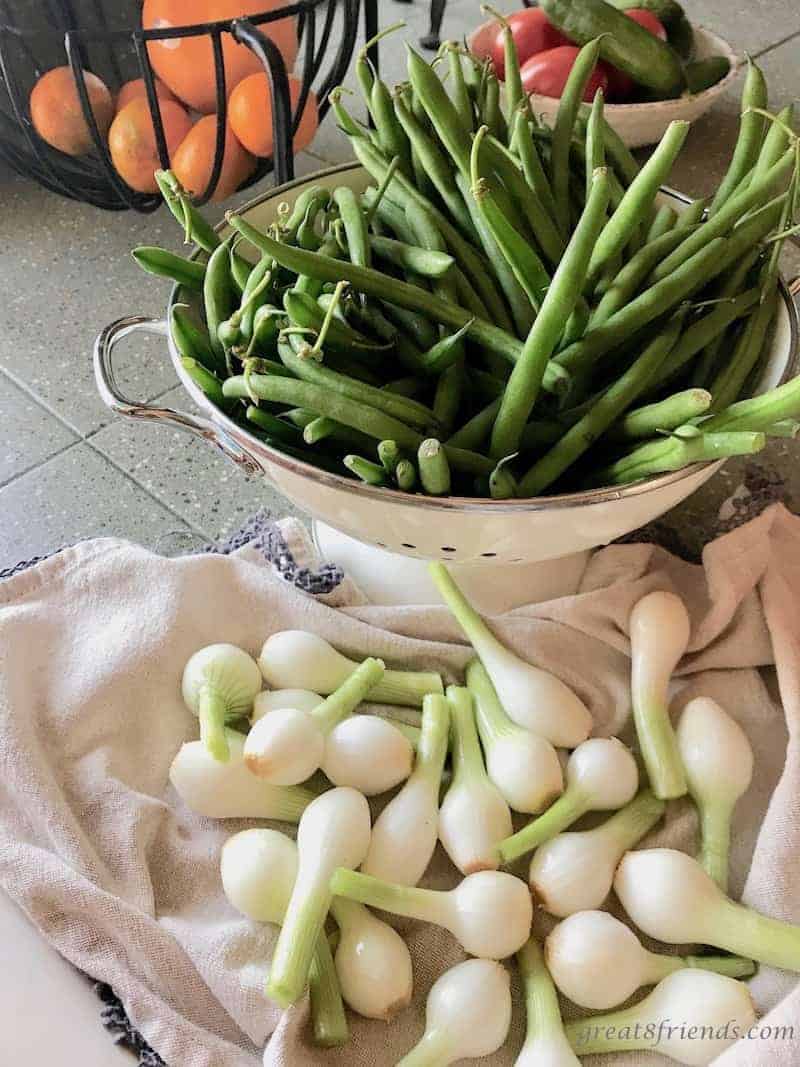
105 38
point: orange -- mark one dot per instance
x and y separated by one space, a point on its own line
186 64
130 90
132 141
57 114
193 162
250 114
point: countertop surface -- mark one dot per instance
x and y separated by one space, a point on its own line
68 470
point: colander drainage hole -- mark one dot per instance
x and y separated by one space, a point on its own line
446 548
488 555
405 544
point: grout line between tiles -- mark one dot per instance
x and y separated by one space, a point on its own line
39 463
771 47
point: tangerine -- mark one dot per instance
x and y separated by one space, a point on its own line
186 64
250 113
57 114
136 88
132 141
193 162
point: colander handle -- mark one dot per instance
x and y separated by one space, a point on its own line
114 399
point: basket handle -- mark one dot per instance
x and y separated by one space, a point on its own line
114 399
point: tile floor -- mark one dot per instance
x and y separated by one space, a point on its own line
69 470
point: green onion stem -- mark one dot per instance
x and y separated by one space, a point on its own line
302 926
349 695
562 813
541 1000
429 905
212 710
327 1011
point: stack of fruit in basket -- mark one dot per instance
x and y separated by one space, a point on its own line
647 55
185 83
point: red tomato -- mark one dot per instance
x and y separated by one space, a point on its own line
650 22
532 33
620 86
546 73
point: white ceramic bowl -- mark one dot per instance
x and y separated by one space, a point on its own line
642 124
449 528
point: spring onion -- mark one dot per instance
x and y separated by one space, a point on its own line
659 633
288 746
524 767
473 818
533 698
333 833
671 898
373 963
598 962
467 1015
275 699
718 761
489 912
691 1016
258 869
295 658
546 1043
228 790
405 833
368 753
219 685
601 776
574 871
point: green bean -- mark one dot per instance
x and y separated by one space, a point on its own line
673 453
189 273
474 433
389 455
449 389
570 102
691 214
389 213
205 380
271 424
542 226
266 328
516 97
344 120
775 143
371 319
576 323
319 429
365 469
410 296
434 470
526 378
523 145
240 271
728 214
408 386
315 199
521 257
603 413
629 280
492 114
466 256
731 286
647 306
307 236
758 412
192 222
663 222
502 483
440 110
668 414
354 225
420 329
595 146
447 351
522 310
409 257
436 166
218 295
391 135
191 339
255 295
728 384
313 286
462 101
489 386
467 296
638 198
304 311
405 475
399 407
751 133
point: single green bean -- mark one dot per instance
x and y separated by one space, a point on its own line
409 386
218 294
449 390
277 428
691 214
355 226
447 351
462 101
647 306
206 380
192 222
365 469
405 475
440 109
775 143
673 453
751 134
668 414
418 327
434 470
638 199
410 257
619 156
191 338
391 135
526 378
755 195
307 313
570 102
410 296
389 213
189 273
474 433
603 413
389 455
595 146
524 146
492 113
731 286
256 294
728 383
663 222
502 483
240 270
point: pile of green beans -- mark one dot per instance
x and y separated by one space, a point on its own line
508 311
